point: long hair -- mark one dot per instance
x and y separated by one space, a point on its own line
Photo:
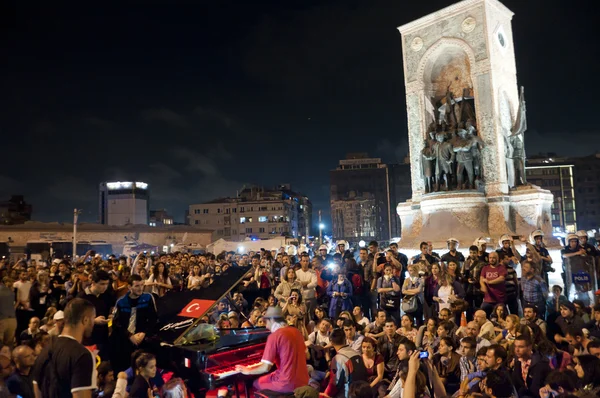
591 369
299 296
155 271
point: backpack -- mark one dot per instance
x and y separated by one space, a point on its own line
356 368
50 387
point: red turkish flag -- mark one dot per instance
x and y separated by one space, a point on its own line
196 308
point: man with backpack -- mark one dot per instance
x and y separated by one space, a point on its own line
65 368
347 367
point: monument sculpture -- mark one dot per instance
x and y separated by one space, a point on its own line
466 124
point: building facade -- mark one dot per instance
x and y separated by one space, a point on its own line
575 183
15 211
124 203
256 213
587 191
364 193
159 218
557 176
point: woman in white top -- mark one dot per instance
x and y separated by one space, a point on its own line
159 280
445 293
195 279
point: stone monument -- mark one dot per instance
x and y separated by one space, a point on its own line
466 125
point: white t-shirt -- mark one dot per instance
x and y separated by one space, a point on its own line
22 290
444 293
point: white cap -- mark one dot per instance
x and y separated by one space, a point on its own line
56 261
323 247
59 315
582 233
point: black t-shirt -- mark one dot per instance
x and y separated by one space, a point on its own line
139 388
20 384
457 257
74 366
103 303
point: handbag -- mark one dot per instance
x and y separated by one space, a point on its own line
410 304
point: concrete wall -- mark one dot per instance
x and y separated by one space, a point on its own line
21 234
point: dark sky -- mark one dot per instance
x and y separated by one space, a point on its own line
199 98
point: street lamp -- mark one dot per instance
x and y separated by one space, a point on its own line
76 213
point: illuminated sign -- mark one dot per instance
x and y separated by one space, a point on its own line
126 185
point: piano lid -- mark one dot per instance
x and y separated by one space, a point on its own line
178 312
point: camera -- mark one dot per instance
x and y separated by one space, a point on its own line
423 354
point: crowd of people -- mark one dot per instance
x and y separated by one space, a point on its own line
363 323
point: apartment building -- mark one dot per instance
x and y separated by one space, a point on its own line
256 213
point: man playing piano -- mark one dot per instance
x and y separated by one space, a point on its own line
285 348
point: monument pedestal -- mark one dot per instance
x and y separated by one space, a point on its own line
467 215
465 113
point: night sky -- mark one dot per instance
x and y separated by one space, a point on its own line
199 98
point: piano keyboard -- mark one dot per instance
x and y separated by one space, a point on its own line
222 372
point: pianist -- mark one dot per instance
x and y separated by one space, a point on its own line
285 348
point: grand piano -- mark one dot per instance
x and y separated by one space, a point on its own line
201 355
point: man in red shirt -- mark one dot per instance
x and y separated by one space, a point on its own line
286 350
492 280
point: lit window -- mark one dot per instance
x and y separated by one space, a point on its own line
249 219
242 220
263 219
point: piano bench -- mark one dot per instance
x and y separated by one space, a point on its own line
272 394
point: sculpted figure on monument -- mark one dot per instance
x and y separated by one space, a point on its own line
476 146
444 156
428 158
452 136
515 146
464 159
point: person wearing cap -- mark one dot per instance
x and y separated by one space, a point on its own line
234 319
59 323
572 249
341 252
567 318
508 249
583 241
453 253
285 349
324 255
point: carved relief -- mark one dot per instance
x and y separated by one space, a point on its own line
468 25
417 44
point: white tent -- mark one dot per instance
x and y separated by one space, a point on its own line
249 245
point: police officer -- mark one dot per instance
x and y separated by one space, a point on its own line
537 240
572 249
583 241
453 253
